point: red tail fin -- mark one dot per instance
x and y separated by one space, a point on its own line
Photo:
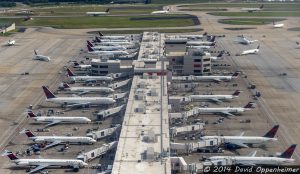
107 10
29 133
10 155
66 85
70 73
31 114
272 132
213 39
97 38
289 152
48 93
220 54
250 105
100 34
90 48
76 63
89 43
236 93
236 74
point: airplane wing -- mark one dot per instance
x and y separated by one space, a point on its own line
242 134
240 144
216 100
38 168
52 123
83 92
227 113
54 143
252 154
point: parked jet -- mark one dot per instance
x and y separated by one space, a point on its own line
193 36
84 90
244 141
56 120
250 10
298 45
215 98
252 51
245 41
84 78
99 41
98 13
208 78
40 57
218 57
211 42
252 160
77 101
277 25
82 67
161 12
55 140
11 42
44 163
115 52
111 37
106 48
227 111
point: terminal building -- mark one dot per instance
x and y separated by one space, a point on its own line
105 66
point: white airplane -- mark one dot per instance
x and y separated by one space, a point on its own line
85 78
11 42
215 98
56 120
218 57
161 12
40 57
250 10
208 78
201 47
98 13
84 90
115 52
211 42
112 37
243 141
245 41
277 25
56 140
107 48
252 160
81 66
253 51
193 36
77 101
227 111
44 163
298 45
106 42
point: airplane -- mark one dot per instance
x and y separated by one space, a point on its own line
106 42
277 25
215 98
252 160
161 12
56 120
250 10
40 57
218 57
244 141
106 48
77 65
84 90
111 37
98 13
76 101
44 163
193 37
211 42
11 42
245 41
115 52
227 111
253 51
202 47
56 140
209 78
298 45
84 78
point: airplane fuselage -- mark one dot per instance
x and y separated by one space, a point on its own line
43 119
252 160
97 78
90 89
63 139
254 51
50 162
241 139
82 100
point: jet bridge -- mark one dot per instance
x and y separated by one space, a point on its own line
194 111
103 133
193 147
109 112
189 128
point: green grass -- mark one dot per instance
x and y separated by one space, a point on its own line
248 21
257 14
248 5
294 29
141 31
203 9
183 1
110 21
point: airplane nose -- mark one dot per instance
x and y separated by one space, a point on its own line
94 141
84 164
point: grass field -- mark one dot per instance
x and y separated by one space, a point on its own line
274 6
258 14
248 21
203 9
110 21
141 31
183 1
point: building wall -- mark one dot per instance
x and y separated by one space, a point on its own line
108 67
